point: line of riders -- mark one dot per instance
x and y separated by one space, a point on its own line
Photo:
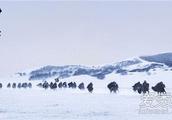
113 86
19 85
72 85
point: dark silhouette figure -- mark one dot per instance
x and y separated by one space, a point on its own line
0 10
145 87
72 85
19 85
141 88
113 87
14 85
56 80
24 85
90 87
64 85
45 85
159 88
0 85
81 86
60 85
137 87
53 85
8 85
39 85
30 85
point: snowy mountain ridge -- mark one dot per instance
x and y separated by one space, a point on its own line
141 64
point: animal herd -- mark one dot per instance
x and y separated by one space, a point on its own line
18 85
72 85
112 86
144 87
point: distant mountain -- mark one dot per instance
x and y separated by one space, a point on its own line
165 58
141 64
75 70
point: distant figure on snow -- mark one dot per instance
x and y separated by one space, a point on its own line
145 87
141 88
159 88
60 85
56 80
30 85
81 86
137 87
113 87
24 85
90 87
8 85
0 85
53 85
19 85
39 85
72 85
64 85
14 85
45 85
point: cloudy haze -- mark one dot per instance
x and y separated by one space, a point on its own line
88 33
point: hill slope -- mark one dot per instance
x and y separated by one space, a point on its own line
141 64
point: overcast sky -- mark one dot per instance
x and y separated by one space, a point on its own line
88 33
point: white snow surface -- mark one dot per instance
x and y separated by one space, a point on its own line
74 104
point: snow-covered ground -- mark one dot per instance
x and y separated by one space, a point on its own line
73 104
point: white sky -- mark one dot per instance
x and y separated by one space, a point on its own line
87 33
